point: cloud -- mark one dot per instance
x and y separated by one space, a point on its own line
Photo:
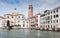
44 6
47 1
47 4
50 1
10 1
22 5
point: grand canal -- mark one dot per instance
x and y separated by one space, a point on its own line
25 33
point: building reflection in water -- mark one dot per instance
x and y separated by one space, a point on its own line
38 33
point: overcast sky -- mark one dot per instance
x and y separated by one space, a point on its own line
7 6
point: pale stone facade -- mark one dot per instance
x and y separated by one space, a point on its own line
16 19
35 21
50 20
2 21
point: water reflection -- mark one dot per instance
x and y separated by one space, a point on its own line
26 33
38 33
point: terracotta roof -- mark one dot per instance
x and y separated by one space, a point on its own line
14 14
38 14
20 14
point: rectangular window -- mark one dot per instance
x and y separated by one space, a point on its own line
23 25
51 21
57 15
23 21
54 11
51 26
54 16
48 26
57 10
57 21
51 12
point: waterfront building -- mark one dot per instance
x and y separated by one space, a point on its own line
14 20
2 21
37 21
34 20
50 20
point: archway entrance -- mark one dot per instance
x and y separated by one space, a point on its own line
8 23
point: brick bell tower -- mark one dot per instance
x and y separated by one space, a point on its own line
30 11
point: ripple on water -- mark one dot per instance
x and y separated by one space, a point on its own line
26 33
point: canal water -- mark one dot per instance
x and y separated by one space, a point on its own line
26 33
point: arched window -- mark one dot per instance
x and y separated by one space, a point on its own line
7 16
12 16
48 26
18 16
51 26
